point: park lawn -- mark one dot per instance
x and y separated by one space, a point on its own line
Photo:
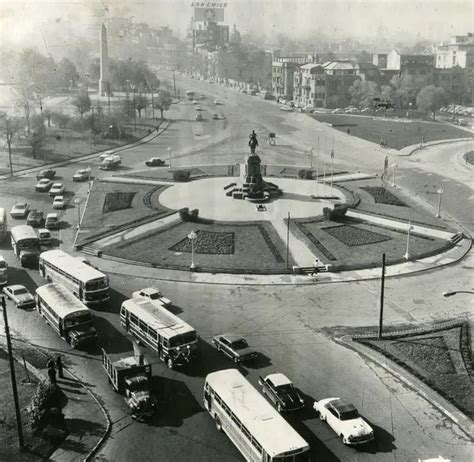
439 359
411 211
353 244
397 134
200 171
38 448
61 145
132 202
254 248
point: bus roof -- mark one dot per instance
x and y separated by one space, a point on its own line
71 265
23 232
265 424
159 318
61 299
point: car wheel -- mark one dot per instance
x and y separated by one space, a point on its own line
236 359
321 417
344 440
218 423
279 407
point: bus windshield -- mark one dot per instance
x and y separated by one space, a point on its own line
182 339
76 320
97 284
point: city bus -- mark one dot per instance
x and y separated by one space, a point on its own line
25 244
67 315
161 331
190 95
255 427
88 284
3 224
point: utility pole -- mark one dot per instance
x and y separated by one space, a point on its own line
382 288
288 240
12 374
174 84
9 143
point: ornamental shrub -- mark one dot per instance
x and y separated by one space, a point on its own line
184 213
336 214
45 398
307 174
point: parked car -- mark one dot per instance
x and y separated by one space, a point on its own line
47 173
351 110
308 108
338 110
20 296
35 218
57 189
3 272
234 346
52 221
59 202
43 185
281 392
153 294
44 236
110 162
461 122
218 102
287 109
344 419
198 108
195 102
366 110
154 162
215 116
20 210
199 117
106 154
82 175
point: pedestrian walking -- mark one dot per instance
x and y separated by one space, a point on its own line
52 372
315 267
59 367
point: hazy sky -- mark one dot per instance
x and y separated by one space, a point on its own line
405 19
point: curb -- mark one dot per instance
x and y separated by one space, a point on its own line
461 420
433 143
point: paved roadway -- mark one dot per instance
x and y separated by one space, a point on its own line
289 327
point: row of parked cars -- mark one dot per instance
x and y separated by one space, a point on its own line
459 110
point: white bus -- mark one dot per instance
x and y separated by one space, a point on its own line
88 284
258 431
3 224
26 244
70 318
161 331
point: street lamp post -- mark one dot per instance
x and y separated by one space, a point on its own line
169 156
407 253
192 236
394 166
77 201
440 192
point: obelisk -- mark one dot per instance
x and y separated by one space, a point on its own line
104 83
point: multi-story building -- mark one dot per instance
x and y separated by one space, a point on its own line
458 52
283 79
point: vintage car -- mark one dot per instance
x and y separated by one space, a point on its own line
279 389
20 296
153 294
154 162
234 346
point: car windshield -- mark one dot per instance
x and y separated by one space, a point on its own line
20 206
240 344
20 291
287 388
349 415
154 295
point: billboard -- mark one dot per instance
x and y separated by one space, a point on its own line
209 14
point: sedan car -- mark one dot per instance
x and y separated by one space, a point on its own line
215 116
153 294
218 102
44 236
344 419
106 154
43 185
20 296
154 162
47 173
59 202
20 210
35 218
82 175
281 392
52 221
338 110
234 346
57 189
287 109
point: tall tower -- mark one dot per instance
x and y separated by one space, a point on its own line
104 82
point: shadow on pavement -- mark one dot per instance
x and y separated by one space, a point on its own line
115 302
175 402
111 339
383 441
259 362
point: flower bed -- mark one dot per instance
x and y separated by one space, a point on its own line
117 200
353 236
382 196
207 242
